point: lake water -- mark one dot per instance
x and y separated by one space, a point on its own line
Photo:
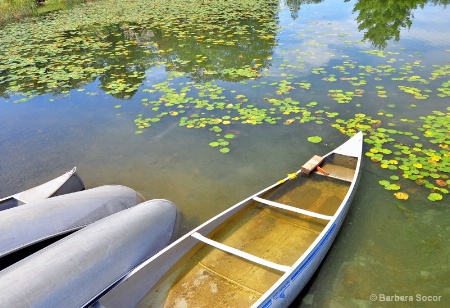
206 104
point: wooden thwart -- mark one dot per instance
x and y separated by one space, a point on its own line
311 164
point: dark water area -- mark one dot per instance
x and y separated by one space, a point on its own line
206 104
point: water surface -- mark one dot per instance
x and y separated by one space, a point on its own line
268 78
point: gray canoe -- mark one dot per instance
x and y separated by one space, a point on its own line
40 221
260 252
67 183
74 270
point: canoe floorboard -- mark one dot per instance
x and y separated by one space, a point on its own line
268 235
198 284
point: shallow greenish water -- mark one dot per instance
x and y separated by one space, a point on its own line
151 98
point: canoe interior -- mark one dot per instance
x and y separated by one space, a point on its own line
65 184
73 184
208 277
8 203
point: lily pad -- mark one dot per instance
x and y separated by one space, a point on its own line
314 139
401 195
434 197
229 136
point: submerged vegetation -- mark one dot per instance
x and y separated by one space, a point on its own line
224 69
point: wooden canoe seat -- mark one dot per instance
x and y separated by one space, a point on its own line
311 164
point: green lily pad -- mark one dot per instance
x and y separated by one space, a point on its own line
384 183
434 197
314 139
229 136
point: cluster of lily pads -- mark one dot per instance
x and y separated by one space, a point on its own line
118 42
404 156
224 70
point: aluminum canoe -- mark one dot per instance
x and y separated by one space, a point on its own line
72 271
260 252
26 229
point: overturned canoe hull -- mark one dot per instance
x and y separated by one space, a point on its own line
25 226
72 271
